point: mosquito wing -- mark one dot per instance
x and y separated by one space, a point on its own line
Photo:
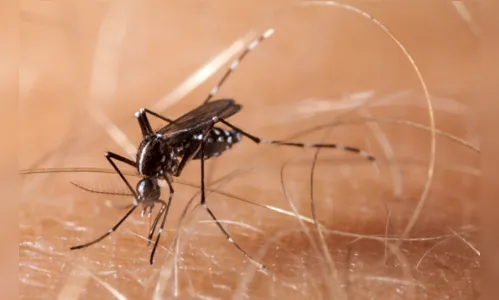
199 118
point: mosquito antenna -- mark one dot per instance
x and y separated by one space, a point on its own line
213 190
99 191
237 61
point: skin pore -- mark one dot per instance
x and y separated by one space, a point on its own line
89 70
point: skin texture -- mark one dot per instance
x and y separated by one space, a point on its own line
98 61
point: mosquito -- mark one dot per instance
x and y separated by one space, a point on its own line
163 154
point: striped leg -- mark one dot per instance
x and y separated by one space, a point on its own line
165 208
110 156
237 61
145 125
301 145
227 235
107 233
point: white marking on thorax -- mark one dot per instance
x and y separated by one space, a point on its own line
141 158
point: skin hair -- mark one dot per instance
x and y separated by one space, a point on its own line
89 70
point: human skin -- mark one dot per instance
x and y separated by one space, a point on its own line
296 80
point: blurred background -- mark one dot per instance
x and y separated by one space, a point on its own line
405 227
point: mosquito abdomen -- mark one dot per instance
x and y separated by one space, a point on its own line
218 141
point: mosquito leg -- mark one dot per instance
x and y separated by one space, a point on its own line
145 125
301 145
154 224
188 154
237 61
110 156
122 159
151 260
107 233
142 110
227 235
195 146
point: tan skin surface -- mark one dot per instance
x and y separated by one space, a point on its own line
85 60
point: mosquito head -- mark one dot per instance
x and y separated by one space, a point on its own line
148 190
154 157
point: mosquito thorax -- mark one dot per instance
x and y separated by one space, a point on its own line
155 157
